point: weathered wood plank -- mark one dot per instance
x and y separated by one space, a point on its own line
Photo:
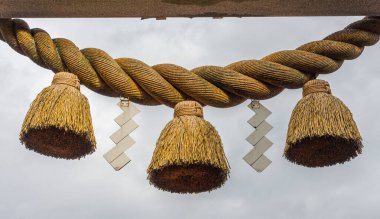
186 8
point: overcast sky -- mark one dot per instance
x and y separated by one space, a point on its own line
35 186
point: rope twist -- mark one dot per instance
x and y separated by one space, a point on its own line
170 84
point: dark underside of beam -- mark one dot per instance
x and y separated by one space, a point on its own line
186 8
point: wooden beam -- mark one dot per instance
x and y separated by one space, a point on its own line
186 8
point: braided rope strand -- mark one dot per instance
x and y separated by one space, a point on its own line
210 85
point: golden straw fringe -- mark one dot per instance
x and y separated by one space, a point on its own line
320 119
59 112
189 143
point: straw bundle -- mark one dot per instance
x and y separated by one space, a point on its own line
321 130
189 156
58 123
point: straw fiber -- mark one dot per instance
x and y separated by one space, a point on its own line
189 156
321 130
209 85
58 123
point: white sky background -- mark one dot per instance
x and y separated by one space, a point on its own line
35 186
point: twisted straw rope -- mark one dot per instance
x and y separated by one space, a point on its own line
210 85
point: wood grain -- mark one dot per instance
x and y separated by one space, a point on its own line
186 8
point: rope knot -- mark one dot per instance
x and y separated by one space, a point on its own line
188 108
67 79
316 86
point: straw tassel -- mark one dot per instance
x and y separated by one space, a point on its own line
189 156
58 123
321 131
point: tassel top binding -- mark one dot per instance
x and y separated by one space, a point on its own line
188 108
67 79
316 86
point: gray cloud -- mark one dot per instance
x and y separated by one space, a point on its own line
34 186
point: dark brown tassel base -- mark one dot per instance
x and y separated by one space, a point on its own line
193 178
323 151
57 143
